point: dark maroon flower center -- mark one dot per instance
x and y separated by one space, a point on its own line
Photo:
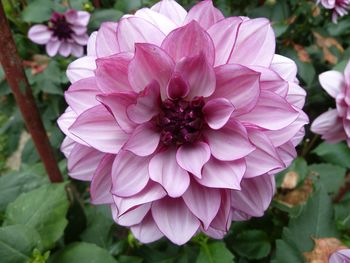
181 121
60 26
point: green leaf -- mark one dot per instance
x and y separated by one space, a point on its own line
299 166
338 154
81 252
286 253
129 259
17 243
216 252
331 177
98 226
102 15
37 11
44 209
252 244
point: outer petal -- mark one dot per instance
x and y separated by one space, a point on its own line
255 196
150 63
161 21
133 30
175 220
112 73
106 40
285 67
229 143
340 256
224 34
172 10
83 18
81 68
188 41
39 34
52 47
221 174
205 14
255 44
199 74
83 161
203 202
67 146
77 50
101 184
193 157
325 122
129 174
271 112
91 45
238 84
332 82
134 216
296 95
98 128
164 169
217 112
147 231
347 75
81 40
65 49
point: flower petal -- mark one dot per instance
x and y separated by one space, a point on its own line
39 34
333 82
81 68
91 45
203 202
177 87
285 67
205 14
147 231
188 41
52 47
65 49
129 174
164 169
83 18
77 50
229 143
67 146
172 10
134 216
193 157
160 21
175 220
98 128
217 112
106 40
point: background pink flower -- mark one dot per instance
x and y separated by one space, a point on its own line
65 33
334 125
338 7
341 256
180 120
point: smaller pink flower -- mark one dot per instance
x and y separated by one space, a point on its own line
334 125
340 256
65 33
338 7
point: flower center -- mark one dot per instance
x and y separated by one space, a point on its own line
180 121
60 26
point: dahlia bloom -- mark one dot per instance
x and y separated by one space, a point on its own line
338 7
65 33
180 120
334 125
340 256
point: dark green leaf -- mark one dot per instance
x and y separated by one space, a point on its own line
286 253
102 15
216 252
338 154
37 11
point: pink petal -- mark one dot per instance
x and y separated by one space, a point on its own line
271 112
222 220
81 68
205 14
221 174
160 21
133 30
79 30
203 202
100 189
177 87
83 18
192 157
149 63
81 39
265 157
65 49
117 103
285 67
150 193
224 34
255 196
164 169
147 231
229 143
347 75
175 220
296 95
198 74
187 41
71 15
144 140
172 10
67 146
129 174
98 128
91 45
255 43
287 153
77 50
81 95
238 84
112 73
39 34
52 47
106 40
332 82
147 104
217 112
134 216
83 161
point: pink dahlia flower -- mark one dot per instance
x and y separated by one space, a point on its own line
65 33
180 120
341 256
338 7
334 125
